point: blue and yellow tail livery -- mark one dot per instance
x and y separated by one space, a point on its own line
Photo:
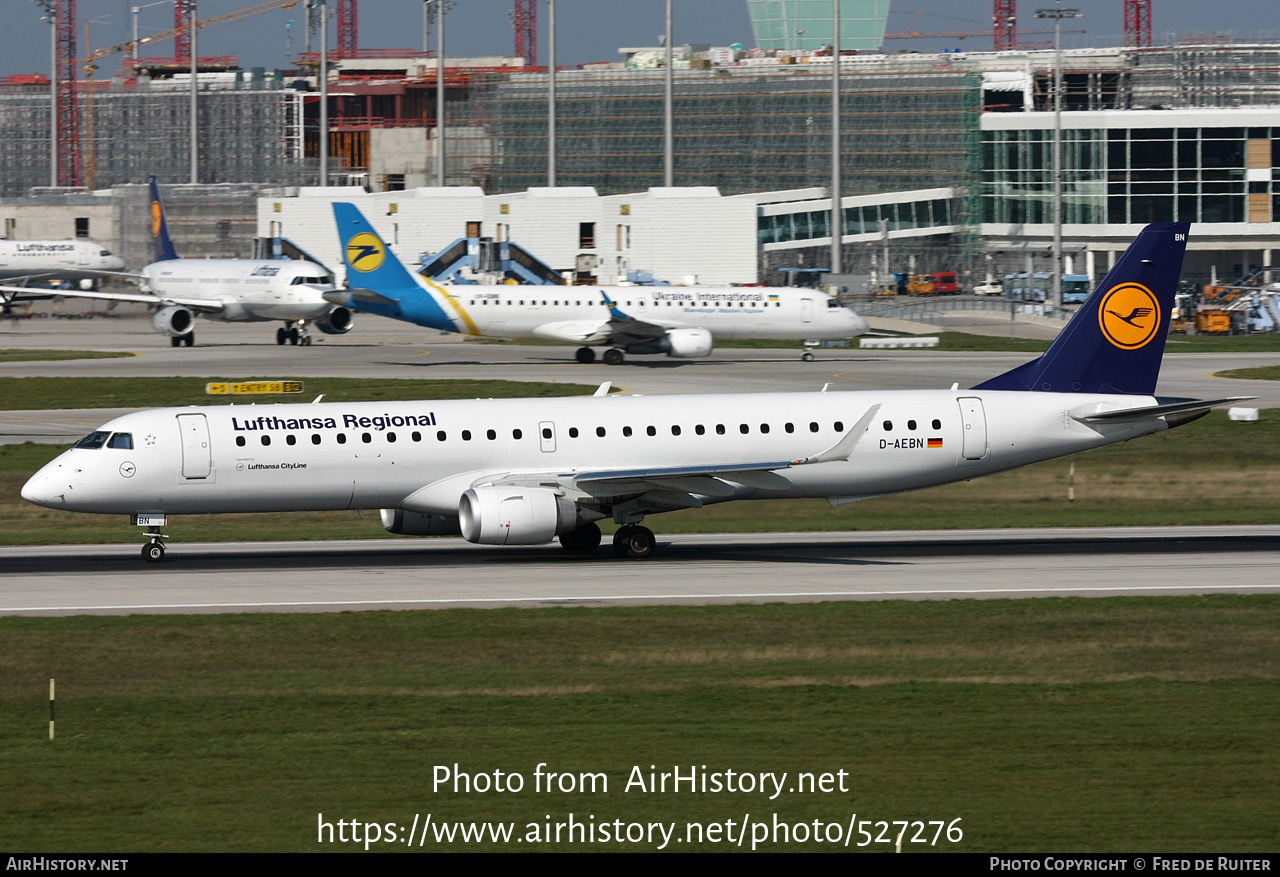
160 226
1115 341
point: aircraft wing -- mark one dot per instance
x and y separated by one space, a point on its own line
200 305
647 489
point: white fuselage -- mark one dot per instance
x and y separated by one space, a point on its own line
247 289
276 458
77 259
580 313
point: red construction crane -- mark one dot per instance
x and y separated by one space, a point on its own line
1005 30
526 24
1137 23
181 33
68 107
348 41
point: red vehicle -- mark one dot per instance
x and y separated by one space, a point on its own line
944 283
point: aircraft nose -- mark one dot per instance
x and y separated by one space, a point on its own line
337 296
39 491
859 324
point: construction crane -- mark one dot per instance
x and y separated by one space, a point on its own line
1004 20
72 170
525 19
1137 24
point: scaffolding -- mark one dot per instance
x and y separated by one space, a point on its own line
247 134
745 132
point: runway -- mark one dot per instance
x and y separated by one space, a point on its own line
688 570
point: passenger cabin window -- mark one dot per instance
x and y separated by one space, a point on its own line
911 425
290 440
122 440
315 438
888 426
466 435
517 434
490 435
93 440
342 438
240 441
937 424
266 440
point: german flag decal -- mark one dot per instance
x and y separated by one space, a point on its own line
935 442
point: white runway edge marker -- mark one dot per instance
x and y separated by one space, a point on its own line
616 597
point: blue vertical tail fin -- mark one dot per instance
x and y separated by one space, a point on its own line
371 265
160 226
1115 341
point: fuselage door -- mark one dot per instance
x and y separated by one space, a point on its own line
974 418
197 455
806 310
547 436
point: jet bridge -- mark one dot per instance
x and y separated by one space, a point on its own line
481 256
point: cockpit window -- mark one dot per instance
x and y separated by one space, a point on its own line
104 252
322 280
94 440
122 440
832 303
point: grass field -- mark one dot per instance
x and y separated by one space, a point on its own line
1211 471
17 354
1044 725
1263 373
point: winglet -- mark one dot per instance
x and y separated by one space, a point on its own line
160 226
843 448
603 389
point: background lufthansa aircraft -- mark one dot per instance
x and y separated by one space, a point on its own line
298 293
680 321
524 471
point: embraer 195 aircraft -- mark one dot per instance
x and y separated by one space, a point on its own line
523 471
679 321
294 291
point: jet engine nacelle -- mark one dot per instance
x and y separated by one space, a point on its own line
679 343
337 322
173 321
514 515
404 523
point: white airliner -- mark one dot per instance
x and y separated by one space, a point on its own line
679 321
523 471
297 292
79 261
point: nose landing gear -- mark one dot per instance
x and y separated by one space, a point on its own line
294 333
153 551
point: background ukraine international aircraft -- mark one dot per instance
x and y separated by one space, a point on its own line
678 321
298 293
523 471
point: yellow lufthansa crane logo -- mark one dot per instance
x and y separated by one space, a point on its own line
365 252
157 218
1129 316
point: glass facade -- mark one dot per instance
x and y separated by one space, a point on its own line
1133 175
803 226
806 24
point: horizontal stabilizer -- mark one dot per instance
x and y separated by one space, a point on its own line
368 296
1186 406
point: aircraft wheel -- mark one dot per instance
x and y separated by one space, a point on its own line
189 339
807 356
634 542
585 355
282 335
153 552
613 356
175 341
306 340
293 336
584 540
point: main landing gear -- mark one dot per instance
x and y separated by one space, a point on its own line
153 551
634 541
631 541
187 340
612 356
294 333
